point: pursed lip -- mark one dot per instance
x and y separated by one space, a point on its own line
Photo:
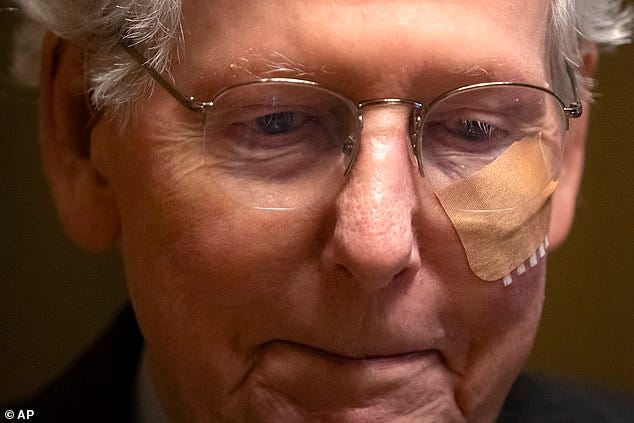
354 357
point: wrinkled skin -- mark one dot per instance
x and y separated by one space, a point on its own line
361 310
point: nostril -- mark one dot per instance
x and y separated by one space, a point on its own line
344 271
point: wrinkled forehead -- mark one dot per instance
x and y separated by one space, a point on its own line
379 41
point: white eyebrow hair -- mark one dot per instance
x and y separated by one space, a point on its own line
475 70
271 65
495 70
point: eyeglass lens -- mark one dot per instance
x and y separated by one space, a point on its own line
288 145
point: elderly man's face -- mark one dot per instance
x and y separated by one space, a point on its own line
364 309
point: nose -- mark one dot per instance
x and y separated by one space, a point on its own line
373 241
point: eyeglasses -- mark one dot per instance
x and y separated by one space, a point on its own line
282 143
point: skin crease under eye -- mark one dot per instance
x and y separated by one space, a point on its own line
233 301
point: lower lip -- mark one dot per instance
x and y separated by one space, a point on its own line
318 379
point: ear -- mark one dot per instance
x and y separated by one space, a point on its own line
565 197
84 201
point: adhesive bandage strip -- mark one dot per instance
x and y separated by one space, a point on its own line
502 212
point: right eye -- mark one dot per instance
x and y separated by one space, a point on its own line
278 123
276 128
273 133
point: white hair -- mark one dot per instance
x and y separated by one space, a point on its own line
153 26
115 80
574 26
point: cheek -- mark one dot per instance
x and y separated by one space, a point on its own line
199 267
189 251
503 319
179 232
501 308
185 239
503 322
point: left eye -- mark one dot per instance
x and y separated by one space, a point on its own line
278 123
475 130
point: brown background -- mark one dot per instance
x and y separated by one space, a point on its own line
55 299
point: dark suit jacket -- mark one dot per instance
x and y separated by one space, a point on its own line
99 387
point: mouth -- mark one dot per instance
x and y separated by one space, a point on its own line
367 367
360 358
316 379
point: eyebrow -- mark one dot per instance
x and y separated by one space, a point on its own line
495 70
273 64
277 64
470 71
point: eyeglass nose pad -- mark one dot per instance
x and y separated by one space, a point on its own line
351 146
416 127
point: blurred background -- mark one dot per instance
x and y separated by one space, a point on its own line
54 299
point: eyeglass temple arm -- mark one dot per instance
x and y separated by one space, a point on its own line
189 102
574 109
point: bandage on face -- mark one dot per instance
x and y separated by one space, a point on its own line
496 191
501 221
